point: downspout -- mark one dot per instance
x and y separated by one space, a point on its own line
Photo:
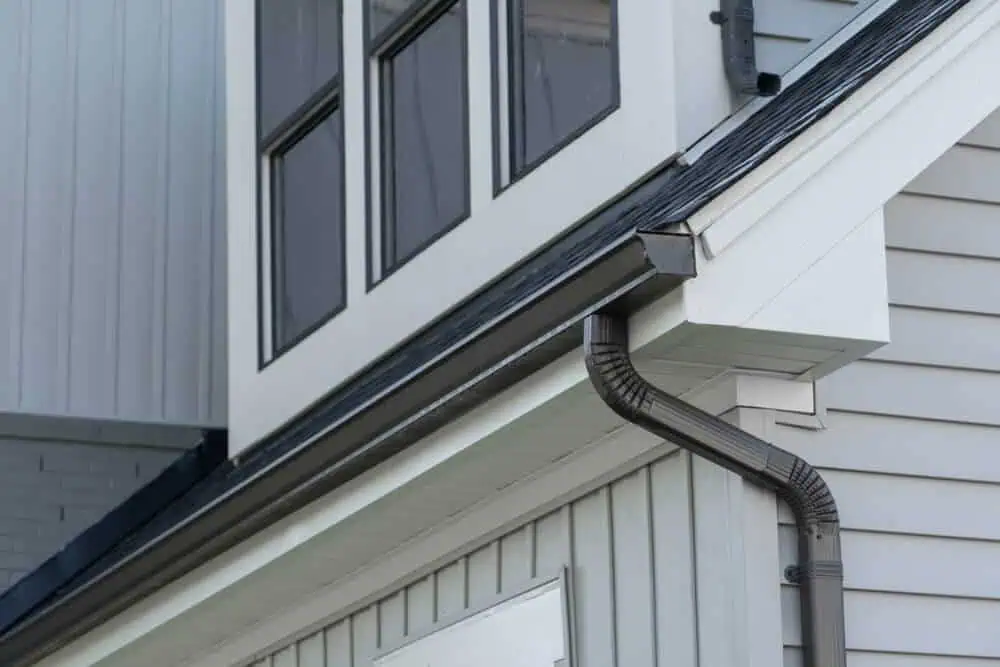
736 18
820 569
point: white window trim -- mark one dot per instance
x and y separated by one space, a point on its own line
260 401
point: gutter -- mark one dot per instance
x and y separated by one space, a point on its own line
320 454
820 569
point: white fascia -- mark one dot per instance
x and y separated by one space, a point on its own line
146 630
879 139
869 148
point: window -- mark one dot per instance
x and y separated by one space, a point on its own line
560 78
302 168
422 116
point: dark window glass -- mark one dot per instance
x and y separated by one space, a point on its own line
425 183
308 231
299 54
562 72
381 13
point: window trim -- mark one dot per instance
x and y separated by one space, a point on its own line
502 101
379 50
311 113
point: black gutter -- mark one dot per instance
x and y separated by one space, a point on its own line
820 569
532 335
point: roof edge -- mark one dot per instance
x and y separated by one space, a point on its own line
533 334
40 585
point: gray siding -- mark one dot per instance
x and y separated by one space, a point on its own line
912 445
50 491
112 299
787 30
628 549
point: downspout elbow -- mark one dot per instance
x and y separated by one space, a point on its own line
820 568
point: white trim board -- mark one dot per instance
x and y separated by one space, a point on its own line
896 102
819 199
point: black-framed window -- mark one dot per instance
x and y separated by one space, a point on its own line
560 61
420 47
301 147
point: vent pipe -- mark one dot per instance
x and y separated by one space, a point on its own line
820 569
736 19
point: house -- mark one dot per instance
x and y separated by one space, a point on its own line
587 333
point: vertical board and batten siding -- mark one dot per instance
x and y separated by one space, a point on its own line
112 292
626 545
787 30
912 444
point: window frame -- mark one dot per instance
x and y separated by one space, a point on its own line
379 49
270 151
506 68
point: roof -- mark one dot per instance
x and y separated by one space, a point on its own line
214 485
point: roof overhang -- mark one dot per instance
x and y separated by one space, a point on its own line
585 271
843 167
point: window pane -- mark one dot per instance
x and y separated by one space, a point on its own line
426 176
381 13
299 53
566 72
309 232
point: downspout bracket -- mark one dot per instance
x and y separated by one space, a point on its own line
795 574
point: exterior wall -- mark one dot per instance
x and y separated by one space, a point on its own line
51 490
787 30
112 298
910 444
628 548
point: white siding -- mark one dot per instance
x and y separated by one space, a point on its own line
627 546
787 30
112 209
912 445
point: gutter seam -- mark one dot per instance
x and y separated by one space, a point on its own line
819 572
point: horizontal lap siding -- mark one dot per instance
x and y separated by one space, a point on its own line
112 293
50 491
787 30
912 444
627 546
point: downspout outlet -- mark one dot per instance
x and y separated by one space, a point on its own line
819 572
736 19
